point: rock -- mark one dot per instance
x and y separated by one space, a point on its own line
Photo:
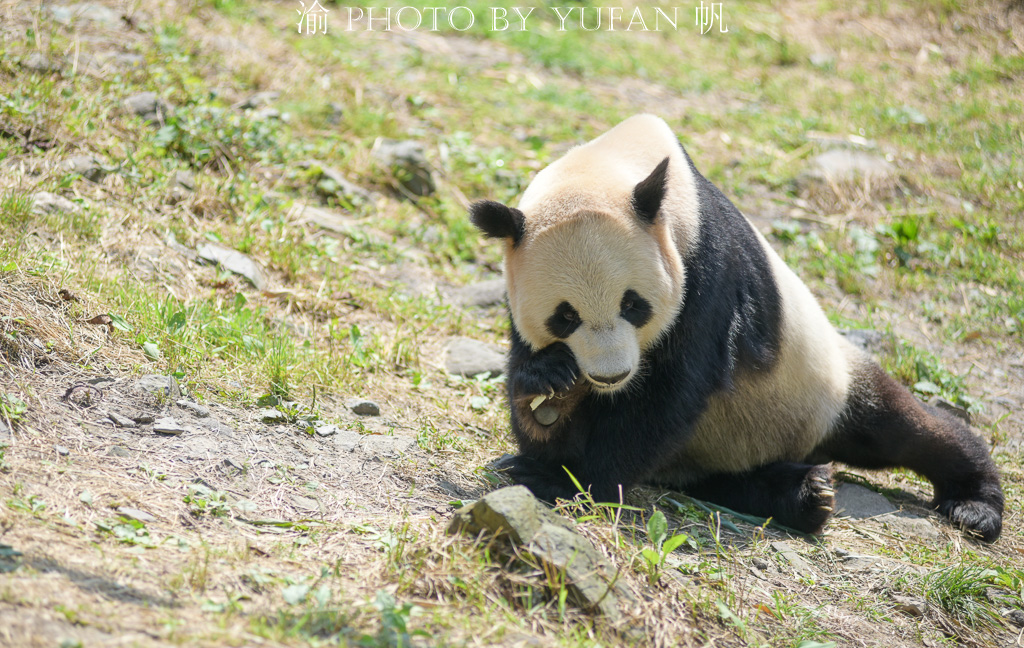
952 408
135 514
480 295
118 451
142 418
325 219
333 183
257 100
273 416
408 164
1016 617
5 435
858 502
467 357
184 179
514 513
121 421
232 466
167 426
363 407
795 560
910 525
86 166
347 440
195 409
379 445
215 426
335 112
867 340
860 563
326 430
164 386
265 114
62 450
39 62
148 105
306 504
842 165
45 202
916 607
85 12
235 262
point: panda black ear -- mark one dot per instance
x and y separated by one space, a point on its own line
497 220
649 193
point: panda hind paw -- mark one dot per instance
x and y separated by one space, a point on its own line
975 516
817 499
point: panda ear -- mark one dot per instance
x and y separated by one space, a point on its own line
649 193
497 220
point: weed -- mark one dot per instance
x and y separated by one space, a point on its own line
657 533
960 591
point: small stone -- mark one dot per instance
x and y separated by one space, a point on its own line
231 465
185 180
196 409
467 357
86 166
45 202
61 450
272 416
910 525
326 430
363 407
866 340
952 408
265 114
326 219
234 261
142 418
118 451
842 165
85 11
5 434
135 514
347 440
1016 617
408 163
215 426
916 607
121 421
853 500
795 560
333 183
38 62
167 426
166 386
480 295
387 446
148 105
335 112
257 100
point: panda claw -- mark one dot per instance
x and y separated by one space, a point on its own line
825 508
828 492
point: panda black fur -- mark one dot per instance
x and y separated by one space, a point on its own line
657 338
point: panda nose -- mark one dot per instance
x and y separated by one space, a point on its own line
608 381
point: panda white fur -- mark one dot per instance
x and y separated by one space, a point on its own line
657 338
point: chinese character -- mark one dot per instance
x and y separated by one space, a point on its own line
315 18
707 15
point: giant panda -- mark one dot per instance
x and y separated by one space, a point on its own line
657 338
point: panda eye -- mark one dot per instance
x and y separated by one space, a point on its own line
635 309
563 321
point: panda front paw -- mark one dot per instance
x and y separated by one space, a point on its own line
977 516
551 370
542 480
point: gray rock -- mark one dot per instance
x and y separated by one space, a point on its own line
5 434
86 166
215 426
467 357
912 605
121 421
1016 617
38 62
307 504
135 514
910 525
164 386
45 202
62 450
232 466
347 440
335 112
333 183
408 164
480 295
326 430
182 184
118 451
514 513
234 261
866 340
952 408
273 416
167 426
795 560
325 219
363 407
195 409
258 100
85 12
853 500
142 418
842 165
148 105
379 445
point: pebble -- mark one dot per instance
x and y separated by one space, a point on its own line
234 261
333 182
363 407
142 418
38 62
258 100
480 295
135 514
160 386
61 450
272 416
86 166
913 606
85 11
167 426
122 421
118 451
866 340
147 105
842 165
326 430
853 500
45 202
468 357
197 410
5 434
408 162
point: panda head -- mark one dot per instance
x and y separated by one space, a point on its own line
592 265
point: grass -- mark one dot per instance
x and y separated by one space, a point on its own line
931 259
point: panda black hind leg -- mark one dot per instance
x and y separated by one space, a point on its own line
884 426
796 495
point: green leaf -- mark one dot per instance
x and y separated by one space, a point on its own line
651 556
657 528
810 643
927 387
674 542
295 594
479 402
151 350
119 322
86 498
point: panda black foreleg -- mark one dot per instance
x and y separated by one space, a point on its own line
885 426
793 494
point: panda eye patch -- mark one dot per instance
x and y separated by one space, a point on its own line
563 321
634 309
